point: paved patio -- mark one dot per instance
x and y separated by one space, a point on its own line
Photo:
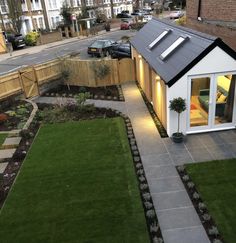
178 219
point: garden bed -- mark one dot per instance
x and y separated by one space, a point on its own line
14 114
104 93
212 189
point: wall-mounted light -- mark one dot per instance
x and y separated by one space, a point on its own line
158 78
139 56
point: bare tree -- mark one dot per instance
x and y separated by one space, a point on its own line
15 14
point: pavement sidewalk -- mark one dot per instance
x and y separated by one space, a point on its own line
37 49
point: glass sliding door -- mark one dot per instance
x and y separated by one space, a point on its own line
200 102
224 97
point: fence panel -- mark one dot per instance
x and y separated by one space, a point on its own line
126 70
10 85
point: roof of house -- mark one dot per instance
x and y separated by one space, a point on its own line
172 61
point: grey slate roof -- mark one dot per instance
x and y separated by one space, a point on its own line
196 46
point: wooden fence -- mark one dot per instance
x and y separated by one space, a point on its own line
80 72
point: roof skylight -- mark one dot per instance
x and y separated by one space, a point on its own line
171 48
159 38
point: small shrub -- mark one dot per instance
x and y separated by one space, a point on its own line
190 184
143 186
181 168
148 205
206 217
31 38
217 241
108 92
82 89
213 231
185 178
196 195
201 206
3 118
100 69
146 196
154 227
150 213
26 134
81 98
142 178
157 240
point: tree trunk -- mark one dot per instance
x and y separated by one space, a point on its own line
112 11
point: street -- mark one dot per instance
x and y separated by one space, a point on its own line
74 47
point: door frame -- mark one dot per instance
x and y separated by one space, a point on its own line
212 105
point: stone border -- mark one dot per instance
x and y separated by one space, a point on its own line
145 195
159 126
32 115
200 207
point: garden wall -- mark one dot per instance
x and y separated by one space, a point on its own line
31 81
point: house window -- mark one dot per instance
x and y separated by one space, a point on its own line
158 39
3 6
173 47
40 22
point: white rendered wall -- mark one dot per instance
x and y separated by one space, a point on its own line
217 61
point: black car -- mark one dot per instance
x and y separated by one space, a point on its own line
121 50
123 16
101 47
16 40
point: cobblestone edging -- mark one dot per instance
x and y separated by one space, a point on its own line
200 207
147 202
159 126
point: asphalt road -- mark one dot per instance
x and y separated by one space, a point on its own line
49 53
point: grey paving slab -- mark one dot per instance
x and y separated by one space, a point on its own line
156 159
187 235
181 157
200 154
165 184
193 142
170 200
3 166
6 153
161 171
178 218
12 142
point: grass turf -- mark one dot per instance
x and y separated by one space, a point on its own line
77 184
216 183
2 138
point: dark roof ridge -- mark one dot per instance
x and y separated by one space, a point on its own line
191 31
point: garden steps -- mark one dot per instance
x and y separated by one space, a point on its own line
11 142
6 153
3 166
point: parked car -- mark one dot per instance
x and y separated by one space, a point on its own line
16 40
147 17
123 16
121 50
138 12
101 47
125 24
176 14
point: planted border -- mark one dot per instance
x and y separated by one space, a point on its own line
200 207
69 94
159 126
147 202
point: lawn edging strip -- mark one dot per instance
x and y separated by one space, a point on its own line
200 207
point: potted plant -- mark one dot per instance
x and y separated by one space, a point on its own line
178 105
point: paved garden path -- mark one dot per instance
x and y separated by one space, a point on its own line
178 219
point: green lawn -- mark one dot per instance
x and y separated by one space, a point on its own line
77 184
216 182
2 138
